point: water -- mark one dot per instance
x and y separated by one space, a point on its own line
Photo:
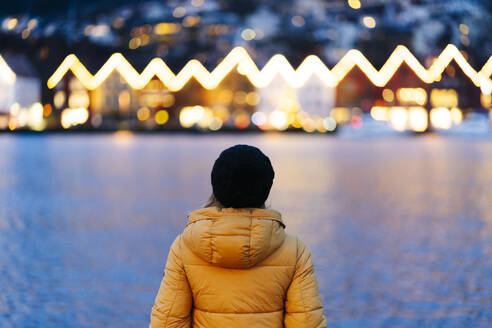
400 227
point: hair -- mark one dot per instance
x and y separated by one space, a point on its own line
212 201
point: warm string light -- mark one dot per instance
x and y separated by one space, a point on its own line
6 73
486 70
278 64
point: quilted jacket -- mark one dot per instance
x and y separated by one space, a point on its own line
238 268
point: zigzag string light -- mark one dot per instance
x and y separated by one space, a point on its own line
277 65
6 73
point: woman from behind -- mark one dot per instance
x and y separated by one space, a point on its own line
234 265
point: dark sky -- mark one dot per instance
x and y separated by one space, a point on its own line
49 7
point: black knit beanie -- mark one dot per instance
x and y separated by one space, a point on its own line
242 177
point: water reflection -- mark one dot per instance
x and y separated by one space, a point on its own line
401 229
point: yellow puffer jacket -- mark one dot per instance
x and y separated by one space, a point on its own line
237 268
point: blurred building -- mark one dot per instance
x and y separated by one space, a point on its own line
20 94
19 82
305 107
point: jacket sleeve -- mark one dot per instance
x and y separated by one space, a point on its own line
303 306
173 304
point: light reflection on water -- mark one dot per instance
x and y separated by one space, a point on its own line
400 228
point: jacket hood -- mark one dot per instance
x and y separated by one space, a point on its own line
234 238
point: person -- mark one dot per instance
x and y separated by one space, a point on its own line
234 265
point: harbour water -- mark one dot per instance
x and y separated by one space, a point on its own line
400 227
